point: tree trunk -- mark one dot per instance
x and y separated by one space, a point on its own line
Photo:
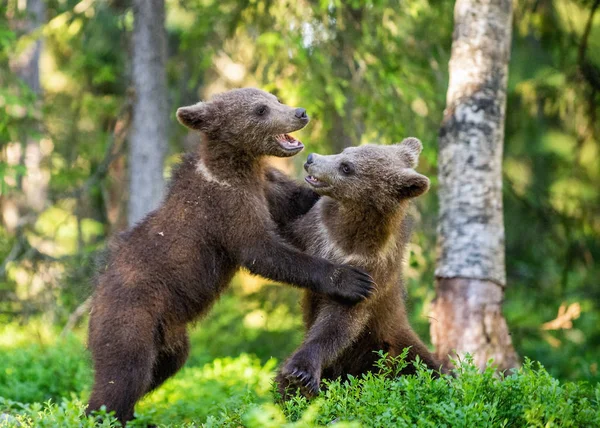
470 275
27 67
340 134
347 127
148 138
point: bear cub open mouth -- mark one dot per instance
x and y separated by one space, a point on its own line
287 142
315 182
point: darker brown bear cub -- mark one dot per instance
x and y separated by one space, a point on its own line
169 269
361 219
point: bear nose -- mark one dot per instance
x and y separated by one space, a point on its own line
301 113
309 160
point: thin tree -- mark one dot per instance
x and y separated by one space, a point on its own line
27 66
149 133
470 275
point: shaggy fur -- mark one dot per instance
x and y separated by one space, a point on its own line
169 269
361 219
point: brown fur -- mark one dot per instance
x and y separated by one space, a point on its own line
361 219
169 269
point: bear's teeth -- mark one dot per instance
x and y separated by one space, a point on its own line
287 141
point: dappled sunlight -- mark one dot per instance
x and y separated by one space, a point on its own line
560 144
267 323
33 281
588 157
249 283
519 173
13 335
565 317
197 392
570 196
564 321
57 231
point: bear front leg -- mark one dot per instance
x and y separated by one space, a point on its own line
275 260
286 198
334 330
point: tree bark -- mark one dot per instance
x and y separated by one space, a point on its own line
27 67
347 127
149 134
340 134
470 274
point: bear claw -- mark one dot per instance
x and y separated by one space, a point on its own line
303 381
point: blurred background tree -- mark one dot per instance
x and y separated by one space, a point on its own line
149 131
368 71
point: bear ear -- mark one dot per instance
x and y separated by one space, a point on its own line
410 148
194 117
411 184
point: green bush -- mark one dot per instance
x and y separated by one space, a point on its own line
37 372
232 392
527 397
69 413
222 387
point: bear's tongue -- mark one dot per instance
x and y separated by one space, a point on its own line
288 142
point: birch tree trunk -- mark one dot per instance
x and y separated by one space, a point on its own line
470 275
148 139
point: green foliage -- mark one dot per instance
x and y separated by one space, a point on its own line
265 323
69 413
39 372
527 397
221 387
236 391
16 104
551 175
366 58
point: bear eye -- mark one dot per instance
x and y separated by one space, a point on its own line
261 110
347 168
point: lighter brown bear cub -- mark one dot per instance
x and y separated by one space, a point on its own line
169 269
361 219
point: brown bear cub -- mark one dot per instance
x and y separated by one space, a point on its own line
169 269
361 219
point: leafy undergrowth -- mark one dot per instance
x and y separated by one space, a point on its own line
46 386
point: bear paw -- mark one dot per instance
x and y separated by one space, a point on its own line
299 375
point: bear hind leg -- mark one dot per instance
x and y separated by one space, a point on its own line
170 359
123 363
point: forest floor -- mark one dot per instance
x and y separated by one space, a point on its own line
45 381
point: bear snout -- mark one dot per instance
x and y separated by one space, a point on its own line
301 113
